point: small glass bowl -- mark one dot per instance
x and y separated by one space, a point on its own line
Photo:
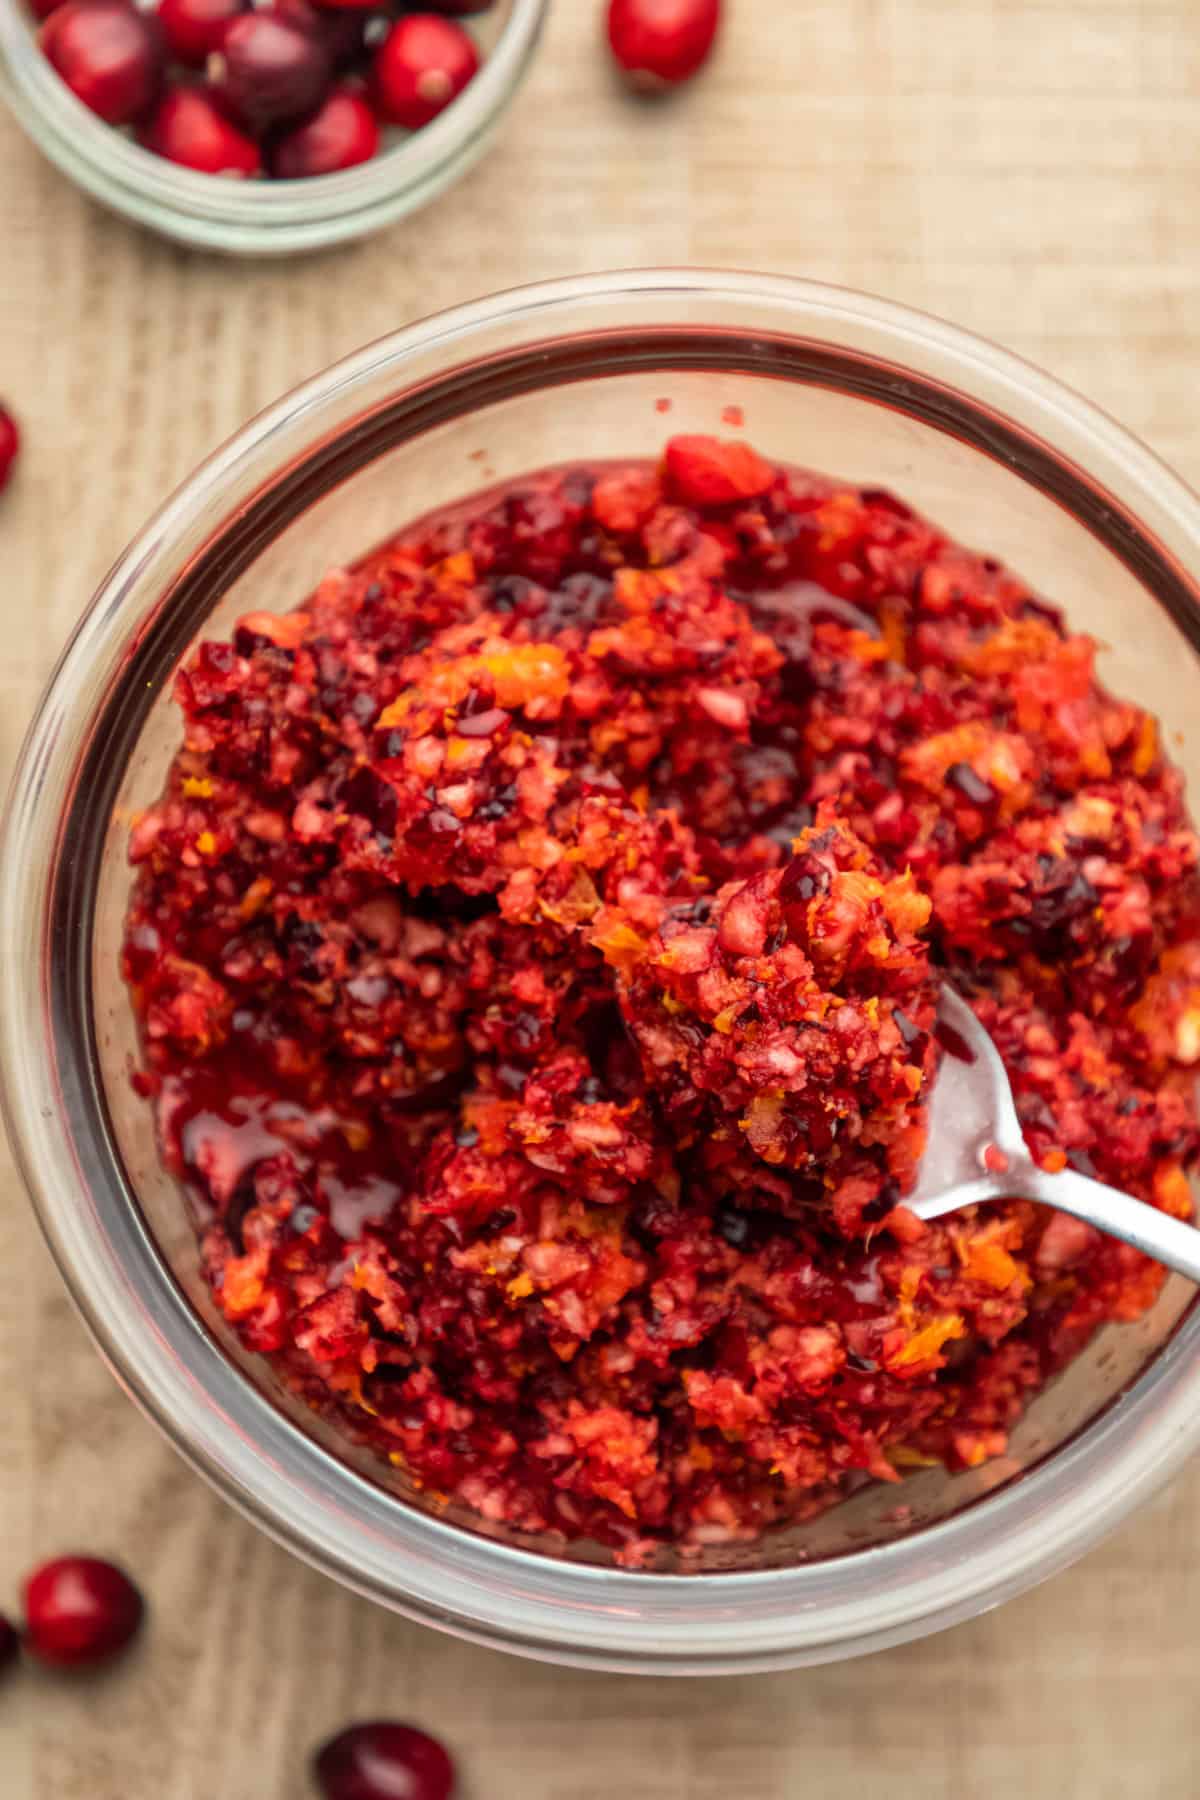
265 218
583 369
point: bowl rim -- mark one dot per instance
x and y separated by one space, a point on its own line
434 1571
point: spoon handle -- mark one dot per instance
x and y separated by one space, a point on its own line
1167 1240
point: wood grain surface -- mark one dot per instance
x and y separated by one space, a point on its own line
1026 167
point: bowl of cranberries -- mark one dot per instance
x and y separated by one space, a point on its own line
472 897
264 126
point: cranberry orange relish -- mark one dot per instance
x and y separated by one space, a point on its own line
536 950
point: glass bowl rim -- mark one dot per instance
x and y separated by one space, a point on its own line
434 1571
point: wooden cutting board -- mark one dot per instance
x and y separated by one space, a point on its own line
1025 167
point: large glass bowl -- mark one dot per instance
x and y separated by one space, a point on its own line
266 218
1003 457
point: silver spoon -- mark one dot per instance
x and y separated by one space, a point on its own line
976 1152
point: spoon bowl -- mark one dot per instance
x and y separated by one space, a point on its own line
977 1152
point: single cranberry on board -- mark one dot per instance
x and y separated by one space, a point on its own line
110 56
662 43
188 127
10 1643
422 65
80 1611
10 445
195 28
342 132
382 1761
269 70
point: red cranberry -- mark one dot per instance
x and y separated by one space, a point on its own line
10 444
268 70
80 1611
109 56
384 1762
194 28
187 127
660 43
347 35
41 9
422 65
341 132
10 1643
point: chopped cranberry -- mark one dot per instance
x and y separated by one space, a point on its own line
384 1762
422 65
10 444
187 127
194 28
269 70
708 471
10 1643
80 1611
661 43
341 132
110 56
970 785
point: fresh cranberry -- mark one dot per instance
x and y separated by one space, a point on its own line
10 1643
269 70
189 128
10 444
41 9
194 28
80 1611
341 132
109 56
384 1762
661 43
348 34
422 65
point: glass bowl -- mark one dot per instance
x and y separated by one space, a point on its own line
1002 456
265 218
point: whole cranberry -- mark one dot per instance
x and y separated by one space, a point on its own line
10 1643
342 132
79 1610
269 70
110 56
194 28
41 9
384 1762
10 444
189 128
661 43
348 34
422 65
